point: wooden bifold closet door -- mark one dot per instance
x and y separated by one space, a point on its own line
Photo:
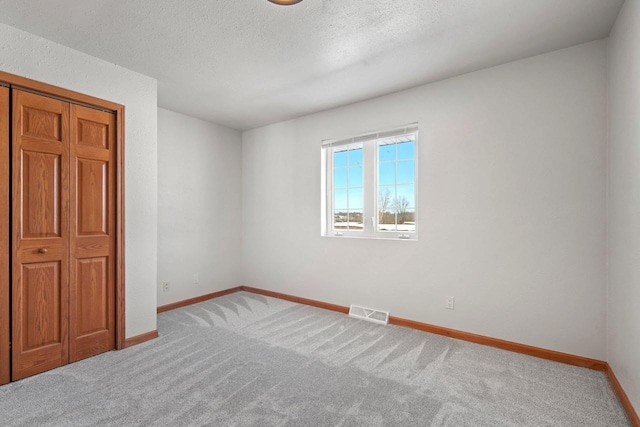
63 272
5 318
92 233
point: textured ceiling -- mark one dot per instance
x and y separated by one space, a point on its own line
247 63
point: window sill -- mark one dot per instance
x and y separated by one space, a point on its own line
412 238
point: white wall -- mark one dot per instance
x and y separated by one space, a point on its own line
199 206
30 56
512 205
623 326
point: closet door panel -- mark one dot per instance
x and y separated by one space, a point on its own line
5 364
41 194
92 271
40 285
92 197
92 296
40 293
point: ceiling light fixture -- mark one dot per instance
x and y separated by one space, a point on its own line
285 2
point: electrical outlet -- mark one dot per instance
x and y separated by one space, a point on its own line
196 278
449 302
165 286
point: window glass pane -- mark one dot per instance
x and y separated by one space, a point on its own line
385 205
385 198
356 199
406 171
407 221
407 150
386 152
340 158
356 220
355 157
405 197
340 199
355 176
387 173
387 221
340 219
340 178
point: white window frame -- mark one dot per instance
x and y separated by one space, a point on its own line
370 167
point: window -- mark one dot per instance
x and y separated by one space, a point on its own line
370 185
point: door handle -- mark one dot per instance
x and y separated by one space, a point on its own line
43 250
